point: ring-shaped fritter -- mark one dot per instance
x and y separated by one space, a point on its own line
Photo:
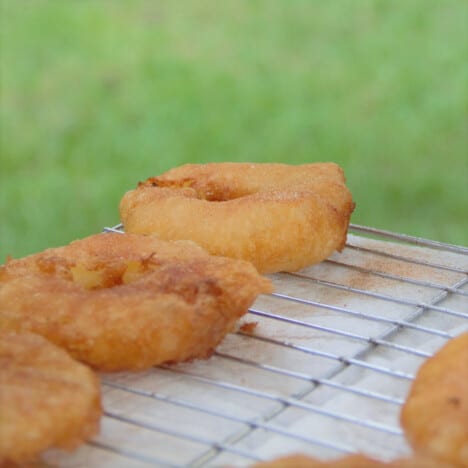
128 301
279 217
47 399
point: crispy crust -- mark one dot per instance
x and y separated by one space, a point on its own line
435 415
128 301
47 399
278 216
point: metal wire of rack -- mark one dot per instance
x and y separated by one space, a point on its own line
321 366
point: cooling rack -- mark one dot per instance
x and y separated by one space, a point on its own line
321 366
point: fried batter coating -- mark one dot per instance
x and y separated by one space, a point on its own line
435 415
47 399
279 217
351 461
128 301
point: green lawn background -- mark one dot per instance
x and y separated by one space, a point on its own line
97 95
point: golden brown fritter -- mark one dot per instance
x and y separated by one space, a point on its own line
435 415
47 399
128 301
279 217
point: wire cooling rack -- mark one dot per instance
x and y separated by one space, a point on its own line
321 366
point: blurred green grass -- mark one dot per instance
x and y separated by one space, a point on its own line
97 95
